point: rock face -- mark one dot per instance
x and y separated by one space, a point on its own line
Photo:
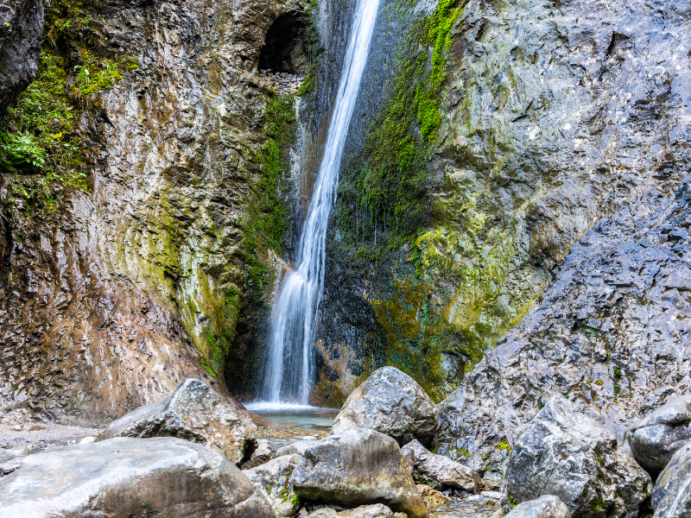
547 506
569 455
194 412
657 437
356 467
364 511
439 472
273 479
126 477
610 333
21 30
298 447
392 403
671 496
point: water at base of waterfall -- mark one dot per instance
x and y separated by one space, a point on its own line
289 364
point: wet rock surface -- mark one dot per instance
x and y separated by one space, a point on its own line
437 471
21 31
357 467
194 412
571 456
671 497
547 506
126 477
392 403
657 437
273 479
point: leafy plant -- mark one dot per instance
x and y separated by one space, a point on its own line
20 150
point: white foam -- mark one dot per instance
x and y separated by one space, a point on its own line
272 406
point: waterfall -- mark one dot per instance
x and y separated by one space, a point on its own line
289 366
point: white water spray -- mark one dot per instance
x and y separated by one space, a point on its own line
289 367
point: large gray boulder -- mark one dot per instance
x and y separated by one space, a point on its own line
194 412
657 437
125 477
672 493
21 31
273 479
437 471
569 455
357 467
548 506
392 403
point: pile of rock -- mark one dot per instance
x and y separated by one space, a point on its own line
282 82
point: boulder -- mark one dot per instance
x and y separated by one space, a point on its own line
392 403
431 497
298 447
261 455
672 493
194 412
437 471
273 479
364 511
357 467
657 437
124 477
571 456
547 506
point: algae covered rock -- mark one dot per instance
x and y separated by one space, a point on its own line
357 467
548 506
125 477
392 403
671 497
439 472
569 455
194 412
273 479
657 437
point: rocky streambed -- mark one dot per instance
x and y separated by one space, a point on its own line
200 453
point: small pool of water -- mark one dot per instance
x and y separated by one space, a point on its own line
285 423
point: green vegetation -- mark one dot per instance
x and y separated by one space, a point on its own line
295 500
504 446
600 504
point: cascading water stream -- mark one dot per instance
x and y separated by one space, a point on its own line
289 367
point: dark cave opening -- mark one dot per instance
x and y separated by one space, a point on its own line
285 49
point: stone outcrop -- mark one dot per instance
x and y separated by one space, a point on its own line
392 403
657 437
194 412
364 511
21 31
547 506
357 467
261 455
126 477
571 456
671 497
273 479
437 471
298 447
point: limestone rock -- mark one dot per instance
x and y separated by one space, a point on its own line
437 471
392 403
298 447
125 477
431 497
21 31
357 467
194 412
671 496
547 506
657 437
569 455
261 455
273 479
364 511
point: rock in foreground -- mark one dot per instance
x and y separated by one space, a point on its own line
570 455
364 511
672 493
547 506
273 479
392 403
439 472
194 412
657 437
126 477
357 467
